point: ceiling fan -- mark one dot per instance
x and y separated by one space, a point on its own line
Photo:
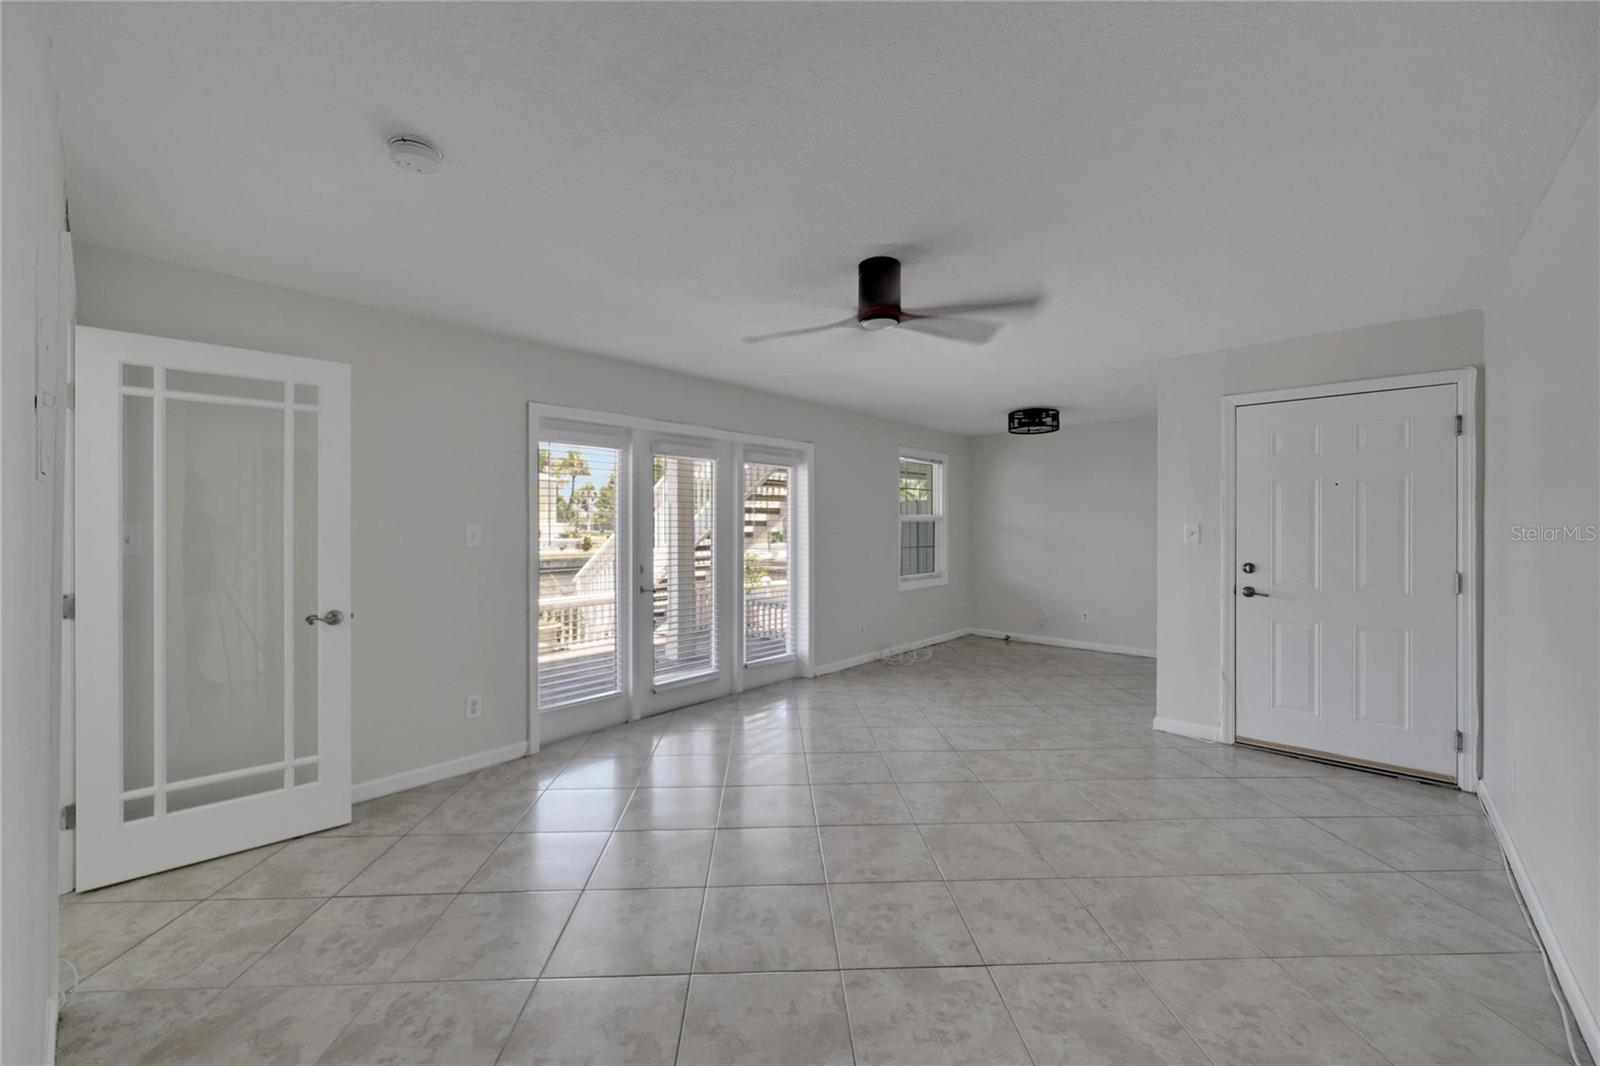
878 307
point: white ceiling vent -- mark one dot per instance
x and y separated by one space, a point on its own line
415 154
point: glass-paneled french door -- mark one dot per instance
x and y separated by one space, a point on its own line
668 566
212 547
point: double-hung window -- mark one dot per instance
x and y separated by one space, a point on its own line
922 525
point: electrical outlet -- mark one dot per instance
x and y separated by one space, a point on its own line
862 631
474 706
1085 616
474 535
1043 621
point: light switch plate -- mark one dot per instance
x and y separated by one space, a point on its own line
1191 532
474 535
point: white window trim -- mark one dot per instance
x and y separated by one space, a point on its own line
542 418
941 525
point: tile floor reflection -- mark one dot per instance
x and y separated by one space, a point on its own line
988 857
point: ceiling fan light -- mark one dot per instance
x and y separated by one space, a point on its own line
1030 420
876 322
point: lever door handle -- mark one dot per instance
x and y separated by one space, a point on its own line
329 618
1249 592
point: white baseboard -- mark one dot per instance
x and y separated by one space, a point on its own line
1064 642
861 660
1181 727
427 775
1582 1011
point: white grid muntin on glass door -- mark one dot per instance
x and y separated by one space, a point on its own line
212 481
211 517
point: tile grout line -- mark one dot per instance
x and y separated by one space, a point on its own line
193 903
401 961
963 758
833 921
533 984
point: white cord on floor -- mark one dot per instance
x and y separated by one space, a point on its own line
72 990
1549 971
907 658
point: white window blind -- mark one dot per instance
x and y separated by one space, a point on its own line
684 604
578 594
921 519
769 581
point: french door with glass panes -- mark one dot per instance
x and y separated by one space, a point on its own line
670 567
212 541
683 511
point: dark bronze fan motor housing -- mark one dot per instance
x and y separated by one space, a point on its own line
878 289
1028 420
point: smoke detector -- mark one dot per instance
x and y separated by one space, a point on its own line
415 154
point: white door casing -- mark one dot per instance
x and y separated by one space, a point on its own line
1346 506
698 649
209 712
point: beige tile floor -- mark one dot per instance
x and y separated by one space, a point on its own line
988 858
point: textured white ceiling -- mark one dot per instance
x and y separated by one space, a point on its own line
655 181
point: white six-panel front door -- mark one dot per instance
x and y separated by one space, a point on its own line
1346 549
212 539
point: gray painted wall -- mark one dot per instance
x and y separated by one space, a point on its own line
1063 526
1189 473
441 440
30 578
1542 598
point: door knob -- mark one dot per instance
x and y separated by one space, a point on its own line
1249 592
331 618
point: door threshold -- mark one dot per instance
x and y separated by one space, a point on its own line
1331 759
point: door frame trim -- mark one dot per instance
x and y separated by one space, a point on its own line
742 675
1469 719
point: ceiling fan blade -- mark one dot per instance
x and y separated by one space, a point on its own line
966 330
1015 303
759 338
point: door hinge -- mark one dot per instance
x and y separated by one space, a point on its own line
72 395
1461 582
69 816
69 606
1461 424
1461 741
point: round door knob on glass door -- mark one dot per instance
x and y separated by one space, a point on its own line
1249 592
331 618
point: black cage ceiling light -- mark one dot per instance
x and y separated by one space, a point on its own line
1027 420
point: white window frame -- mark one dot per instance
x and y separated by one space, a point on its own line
598 435
799 580
941 540
640 698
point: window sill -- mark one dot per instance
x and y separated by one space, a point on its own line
929 582
774 661
672 681
579 702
